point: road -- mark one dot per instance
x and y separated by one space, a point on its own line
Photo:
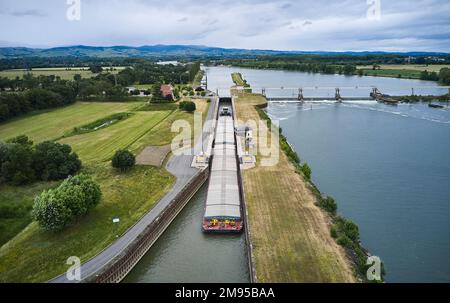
180 167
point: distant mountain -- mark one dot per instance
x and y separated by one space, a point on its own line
165 50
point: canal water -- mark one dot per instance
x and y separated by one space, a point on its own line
184 254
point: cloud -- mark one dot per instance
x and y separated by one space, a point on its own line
265 24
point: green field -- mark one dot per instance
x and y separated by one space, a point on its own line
64 73
408 71
37 256
102 144
393 73
413 67
54 124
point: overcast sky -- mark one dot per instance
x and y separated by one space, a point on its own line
344 25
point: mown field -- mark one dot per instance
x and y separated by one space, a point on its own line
102 144
412 67
62 72
39 256
53 124
412 71
289 233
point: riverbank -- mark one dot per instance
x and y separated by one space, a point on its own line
289 233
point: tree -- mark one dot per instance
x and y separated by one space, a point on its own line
328 204
349 69
444 76
123 160
156 93
54 161
306 170
56 208
96 69
188 106
16 164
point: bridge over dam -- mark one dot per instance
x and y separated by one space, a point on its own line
340 94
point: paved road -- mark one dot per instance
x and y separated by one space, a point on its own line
180 167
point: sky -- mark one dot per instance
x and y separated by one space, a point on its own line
319 25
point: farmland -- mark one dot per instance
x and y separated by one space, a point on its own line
63 73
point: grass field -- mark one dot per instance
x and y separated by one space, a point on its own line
102 144
60 72
53 124
401 71
161 134
412 67
37 256
289 233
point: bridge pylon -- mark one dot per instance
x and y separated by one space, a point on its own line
300 94
338 95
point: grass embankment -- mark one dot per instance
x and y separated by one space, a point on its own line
239 80
63 73
34 255
16 204
290 234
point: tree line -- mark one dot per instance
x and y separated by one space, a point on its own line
21 162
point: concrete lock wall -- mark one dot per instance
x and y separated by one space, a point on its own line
250 255
118 268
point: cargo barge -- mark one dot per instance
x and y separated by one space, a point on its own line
223 211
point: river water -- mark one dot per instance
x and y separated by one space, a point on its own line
387 166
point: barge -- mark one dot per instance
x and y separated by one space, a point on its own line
223 211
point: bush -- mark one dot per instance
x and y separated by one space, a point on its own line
123 160
306 170
188 106
54 161
344 241
348 228
56 208
328 204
